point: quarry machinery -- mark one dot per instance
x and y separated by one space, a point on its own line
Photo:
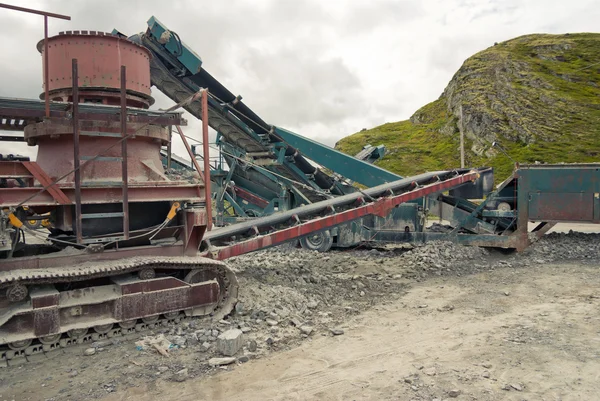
122 251
127 249
130 246
266 170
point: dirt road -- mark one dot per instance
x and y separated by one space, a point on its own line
509 334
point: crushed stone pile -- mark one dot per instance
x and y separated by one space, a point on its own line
564 246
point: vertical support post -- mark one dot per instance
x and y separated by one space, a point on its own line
206 154
124 173
46 68
76 158
462 139
169 148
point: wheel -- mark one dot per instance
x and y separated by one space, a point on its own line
103 328
33 224
150 319
77 333
320 241
51 339
128 324
20 345
171 315
146 274
16 292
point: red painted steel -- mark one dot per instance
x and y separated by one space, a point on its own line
250 197
124 154
32 114
57 194
76 148
153 192
101 57
46 15
189 150
380 207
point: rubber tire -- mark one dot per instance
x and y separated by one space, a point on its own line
325 243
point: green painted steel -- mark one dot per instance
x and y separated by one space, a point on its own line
347 166
174 45
560 193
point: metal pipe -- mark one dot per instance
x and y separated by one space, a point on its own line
46 15
124 174
32 11
206 154
46 69
76 157
189 150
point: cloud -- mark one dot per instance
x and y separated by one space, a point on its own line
322 69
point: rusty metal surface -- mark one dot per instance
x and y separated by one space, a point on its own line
553 206
88 307
76 149
124 154
56 127
250 197
32 111
101 56
151 192
41 176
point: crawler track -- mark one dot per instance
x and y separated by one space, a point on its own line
97 300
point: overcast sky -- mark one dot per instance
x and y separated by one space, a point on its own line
324 69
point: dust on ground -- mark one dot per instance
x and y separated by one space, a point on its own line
437 321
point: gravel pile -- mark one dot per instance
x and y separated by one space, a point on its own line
443 256
564 246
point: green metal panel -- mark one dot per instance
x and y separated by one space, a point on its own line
175 46
347 166
556 206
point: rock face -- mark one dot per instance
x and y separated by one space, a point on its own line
538 96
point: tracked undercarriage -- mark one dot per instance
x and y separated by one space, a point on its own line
78 303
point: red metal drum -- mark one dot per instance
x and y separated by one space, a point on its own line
100 57
99 60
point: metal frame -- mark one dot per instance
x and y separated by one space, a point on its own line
46 69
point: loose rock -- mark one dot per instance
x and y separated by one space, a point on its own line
89 351
454 393
306 329
230 342
337 332
516 386
221 361
181 375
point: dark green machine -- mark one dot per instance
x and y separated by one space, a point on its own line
263 169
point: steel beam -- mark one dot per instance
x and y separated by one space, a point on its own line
150 192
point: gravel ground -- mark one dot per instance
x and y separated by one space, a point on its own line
287 297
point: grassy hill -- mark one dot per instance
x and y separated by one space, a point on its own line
537 95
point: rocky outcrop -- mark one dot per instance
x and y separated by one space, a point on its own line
536 95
